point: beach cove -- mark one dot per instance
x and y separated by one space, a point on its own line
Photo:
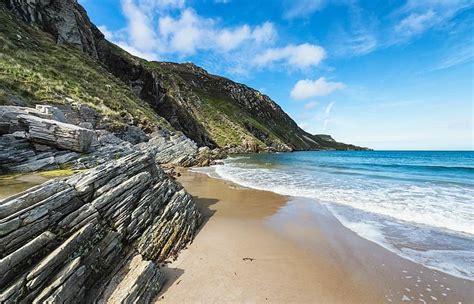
260 247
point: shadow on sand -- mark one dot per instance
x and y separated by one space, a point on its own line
172 274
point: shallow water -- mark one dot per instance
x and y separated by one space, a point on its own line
12 184
417 204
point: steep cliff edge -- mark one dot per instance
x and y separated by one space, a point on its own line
211 110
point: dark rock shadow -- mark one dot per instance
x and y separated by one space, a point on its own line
203 205
172 276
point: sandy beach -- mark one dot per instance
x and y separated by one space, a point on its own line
260 247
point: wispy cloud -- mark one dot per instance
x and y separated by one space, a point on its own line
416 17
327 110
301 8
457 55
367 32
416 23
310 105
320 120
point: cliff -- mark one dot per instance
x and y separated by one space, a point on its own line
212 111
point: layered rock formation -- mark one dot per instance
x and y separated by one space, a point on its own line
96 236
35 139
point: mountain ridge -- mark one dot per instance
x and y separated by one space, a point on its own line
211 110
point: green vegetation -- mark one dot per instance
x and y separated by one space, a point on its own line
8 177
217 115
228 123
58 173
34 70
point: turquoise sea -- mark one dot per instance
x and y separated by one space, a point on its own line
418 204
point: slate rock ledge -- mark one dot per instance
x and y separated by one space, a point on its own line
95 237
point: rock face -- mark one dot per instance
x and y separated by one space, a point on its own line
212 111
96 236
65 19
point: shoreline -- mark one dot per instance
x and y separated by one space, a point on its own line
257 246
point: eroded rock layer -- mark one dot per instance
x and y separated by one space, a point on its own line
45 138
96 236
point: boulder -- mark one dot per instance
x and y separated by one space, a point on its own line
57 134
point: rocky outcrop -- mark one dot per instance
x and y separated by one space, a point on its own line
33 140
64 19
96 236
58 134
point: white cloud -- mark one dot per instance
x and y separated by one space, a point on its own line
310 88
310 105
189 32
184 34
416 23
264 33
153 28
140 27
141 54
229 39
301 8
300 56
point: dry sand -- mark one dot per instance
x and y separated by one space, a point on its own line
259 247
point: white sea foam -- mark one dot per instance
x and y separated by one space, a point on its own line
442 206
396 215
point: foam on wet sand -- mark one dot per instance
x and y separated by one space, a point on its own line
260 247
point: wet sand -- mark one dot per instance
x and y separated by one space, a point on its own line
259 247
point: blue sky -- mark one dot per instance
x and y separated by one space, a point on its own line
388 74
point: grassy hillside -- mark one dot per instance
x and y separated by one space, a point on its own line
36 70
211 110
233 113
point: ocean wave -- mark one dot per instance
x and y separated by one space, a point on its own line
399 212
424 205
